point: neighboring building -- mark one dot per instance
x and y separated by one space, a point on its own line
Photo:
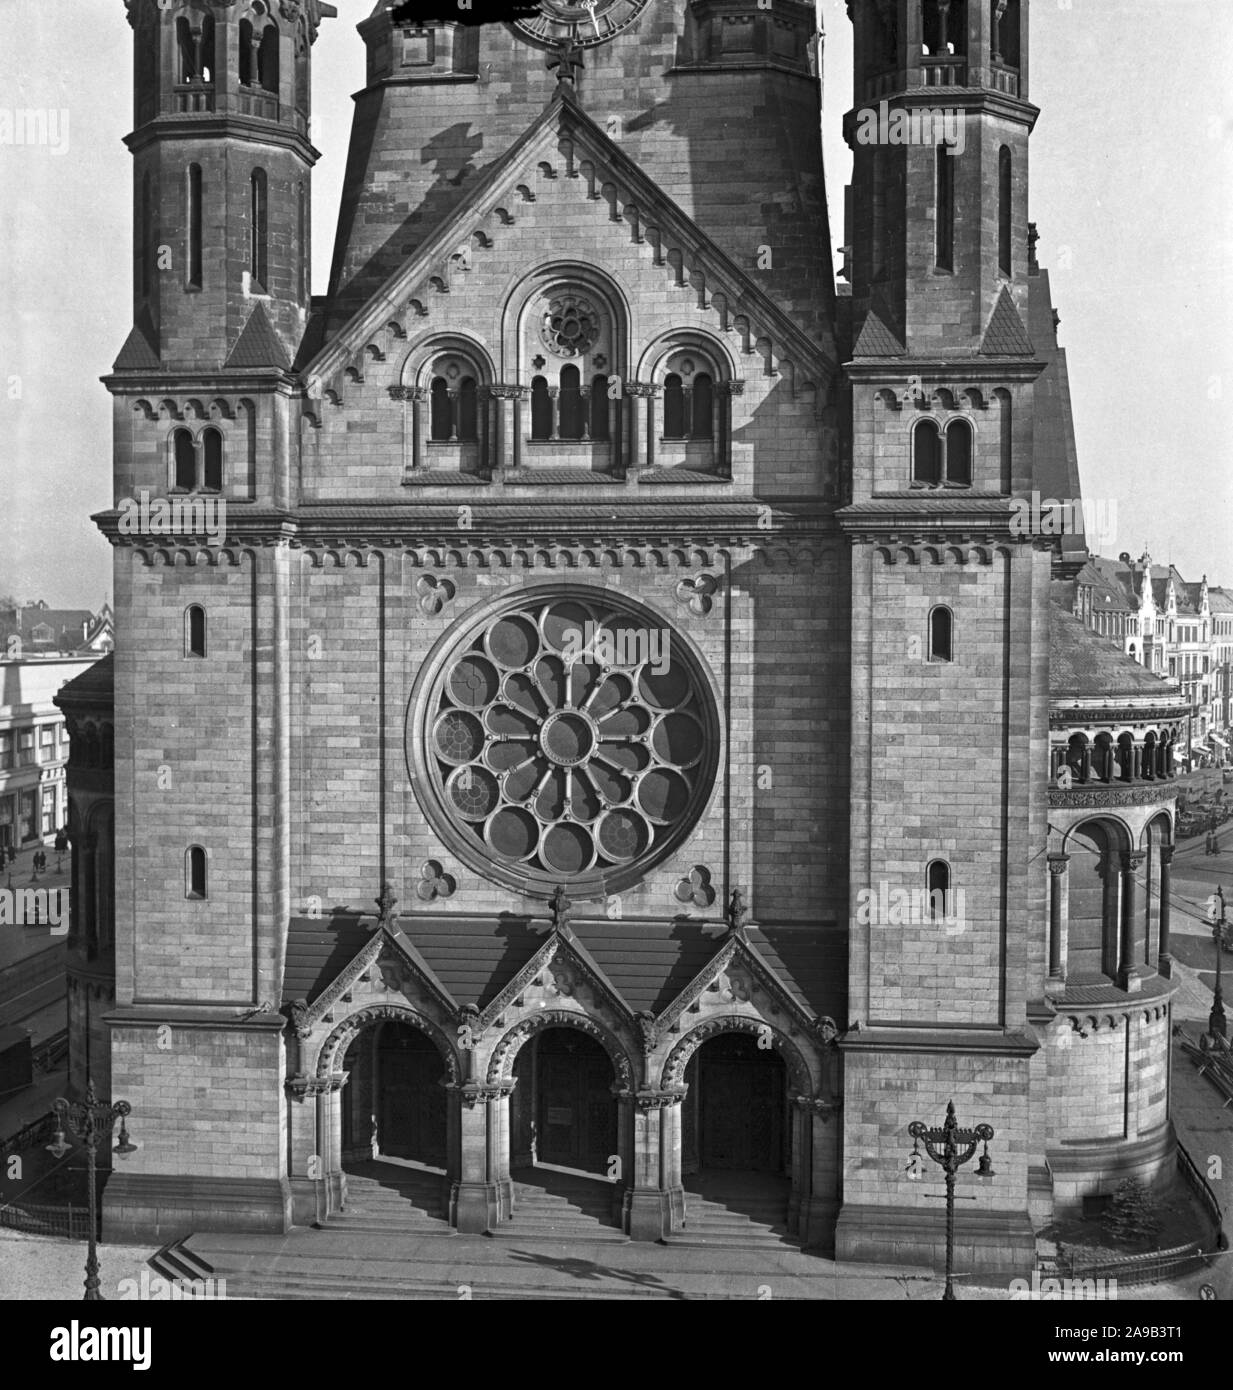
562 391
1220 601
36 630
33 748
87 705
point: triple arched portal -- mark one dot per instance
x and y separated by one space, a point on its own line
559 1089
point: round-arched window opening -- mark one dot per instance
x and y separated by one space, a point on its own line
569 737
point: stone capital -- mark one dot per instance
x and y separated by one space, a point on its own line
646 389
506 391
819 1105
407 393
657 1100
735 387
1058 864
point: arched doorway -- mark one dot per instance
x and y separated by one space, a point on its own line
563 1135
736 1138
395 1122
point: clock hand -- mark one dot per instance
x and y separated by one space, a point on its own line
589 6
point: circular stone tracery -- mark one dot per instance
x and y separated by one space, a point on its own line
568 738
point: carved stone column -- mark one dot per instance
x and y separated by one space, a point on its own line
314 1116
725 391
641 452
475 1198
412 398
1059 894
656 1138
507 448
1127 976
1164 959
813 1205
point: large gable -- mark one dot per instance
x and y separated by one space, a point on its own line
565 171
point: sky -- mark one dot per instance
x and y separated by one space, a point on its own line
1132 190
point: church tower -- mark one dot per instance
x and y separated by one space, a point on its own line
949 622
221 172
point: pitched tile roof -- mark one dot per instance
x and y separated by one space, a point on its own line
1005 335
258 345
1083 664
647 963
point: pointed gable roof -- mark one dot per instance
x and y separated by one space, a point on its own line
1005 335
563 120
258 345
876 338
138 354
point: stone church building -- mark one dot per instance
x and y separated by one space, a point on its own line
612 734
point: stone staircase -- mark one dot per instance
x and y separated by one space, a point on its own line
551 1204
389 1197
735 1211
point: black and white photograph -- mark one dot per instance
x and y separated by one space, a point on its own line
616 666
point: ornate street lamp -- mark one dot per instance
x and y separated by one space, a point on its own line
91 1121
952 1147
1216 1025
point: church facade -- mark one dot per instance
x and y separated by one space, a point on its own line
610 729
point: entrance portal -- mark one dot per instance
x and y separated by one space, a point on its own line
395 1106
563 1112
736 1109
736 1142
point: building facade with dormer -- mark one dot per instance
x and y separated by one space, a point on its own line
609 611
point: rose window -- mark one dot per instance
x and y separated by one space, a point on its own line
569 739
570 325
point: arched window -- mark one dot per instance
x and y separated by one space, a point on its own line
569 404
1093 907
185 457
440 410
674 407
937 883
941 634
599 407
1148 766
246 53
1005 33
267 59
1005 218
468 416
945 28
260 230
194 630
541 409
212 460
926 453
1126 757
195 872
1078 759
192 220
302 242
1102 757
959 453
704 404
209 43
944 212
186 51
147 235
1005 438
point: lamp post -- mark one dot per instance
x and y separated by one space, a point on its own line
952 1147
91 1121
1216 1025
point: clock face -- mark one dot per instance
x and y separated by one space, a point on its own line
586 25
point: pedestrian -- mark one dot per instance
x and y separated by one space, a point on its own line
1207 843
1215 843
